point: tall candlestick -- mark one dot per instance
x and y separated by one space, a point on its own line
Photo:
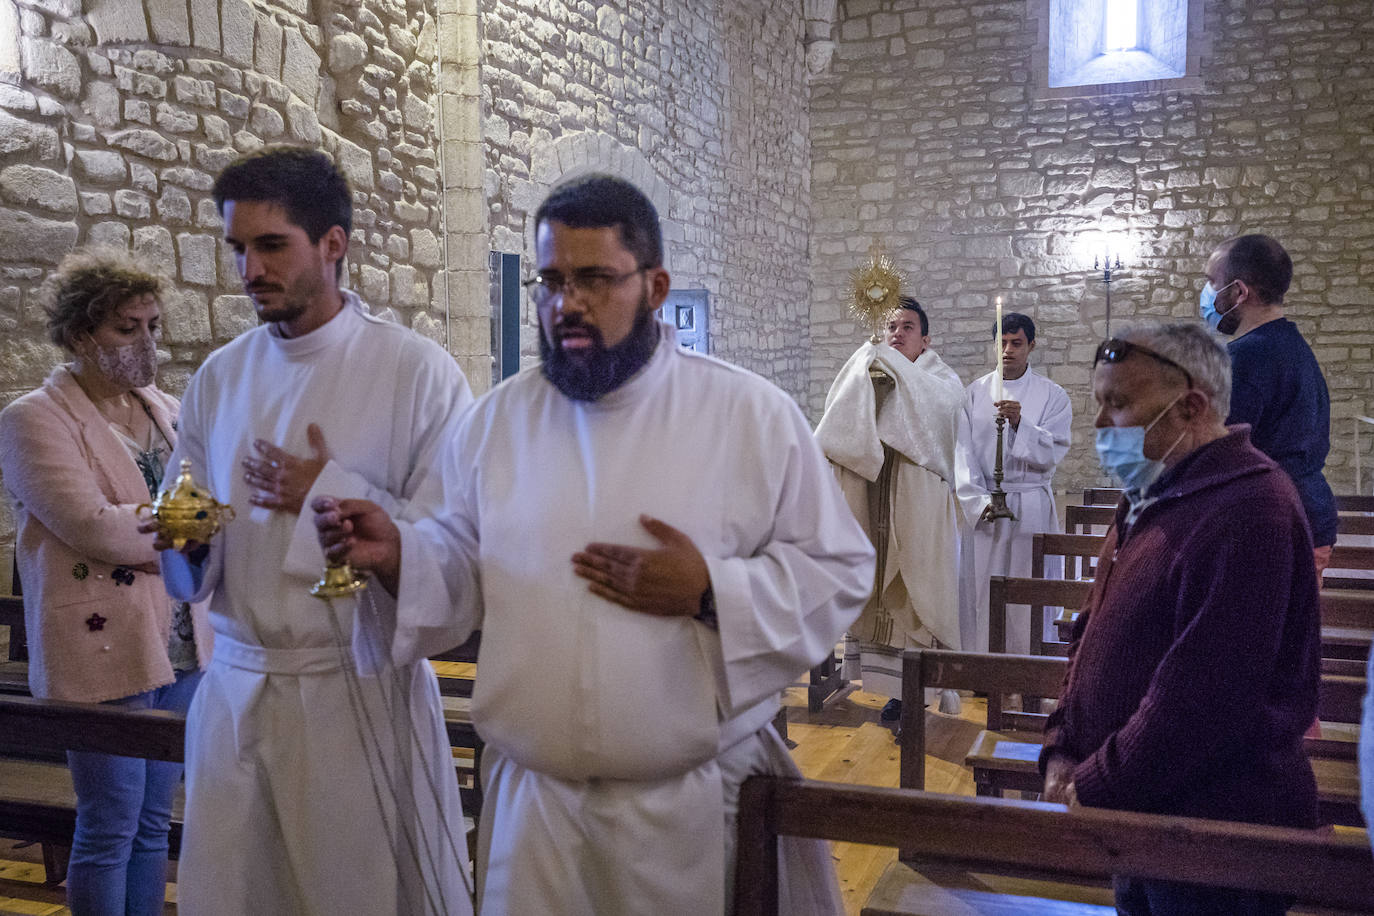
997 348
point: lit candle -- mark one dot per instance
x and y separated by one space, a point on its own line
997 348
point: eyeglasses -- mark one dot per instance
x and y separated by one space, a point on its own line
593 284
1114 350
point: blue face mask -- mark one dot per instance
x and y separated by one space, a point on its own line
1121 452
1207 306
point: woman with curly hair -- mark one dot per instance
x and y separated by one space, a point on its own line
78 455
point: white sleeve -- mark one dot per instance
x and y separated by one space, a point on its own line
1043 445
439 600
437 401
184 580
435 397
783 607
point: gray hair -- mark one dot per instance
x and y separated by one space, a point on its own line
1194 347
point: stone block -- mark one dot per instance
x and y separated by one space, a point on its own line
198 258
207 214
214 158
302 124
137 82
216 129
427 325
354 161
171 24
407 289
100 166
267 46
301 68
138 111
20 136
111 232
14 98
246 142
11 58
236 23
25 361
1021 184
191 91
231 316
25 237
132 204
266 122
187 178
118 22
96 203
174 206
147 143
347 52
424 247
101 103
52 67
34 186
205 24
175 120
142 177
155 243
375 285
186 317
234 105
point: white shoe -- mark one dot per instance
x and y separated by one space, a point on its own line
949 702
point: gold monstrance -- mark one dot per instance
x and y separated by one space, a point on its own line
877 289
186 511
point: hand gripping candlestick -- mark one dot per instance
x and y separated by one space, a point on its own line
186 511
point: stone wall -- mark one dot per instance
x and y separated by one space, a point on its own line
704 106
114 122
929 133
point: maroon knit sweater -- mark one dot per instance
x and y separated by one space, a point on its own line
1194 666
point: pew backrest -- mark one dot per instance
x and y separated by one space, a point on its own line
995 835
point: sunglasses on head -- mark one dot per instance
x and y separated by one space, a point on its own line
1114 350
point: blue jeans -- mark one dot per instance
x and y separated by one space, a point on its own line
118 864
1136 897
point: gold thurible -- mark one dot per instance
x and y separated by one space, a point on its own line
338 581
186 511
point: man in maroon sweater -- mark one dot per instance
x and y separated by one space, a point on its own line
1194 665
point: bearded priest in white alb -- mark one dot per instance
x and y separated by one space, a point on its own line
653 548
892 448
1035 440
319 778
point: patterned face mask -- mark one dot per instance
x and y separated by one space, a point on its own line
132 365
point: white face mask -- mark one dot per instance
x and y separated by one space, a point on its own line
129 366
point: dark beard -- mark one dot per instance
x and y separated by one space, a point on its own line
590 375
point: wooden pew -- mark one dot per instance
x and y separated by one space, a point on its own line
1078 550
1345 502
1081 519
1005 755
37 802
944 832
14 673
1069 594
1081 550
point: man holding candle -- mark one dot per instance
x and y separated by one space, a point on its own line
1035 439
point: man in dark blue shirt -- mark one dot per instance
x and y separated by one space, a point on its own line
1276 385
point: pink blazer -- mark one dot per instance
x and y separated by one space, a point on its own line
96 629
